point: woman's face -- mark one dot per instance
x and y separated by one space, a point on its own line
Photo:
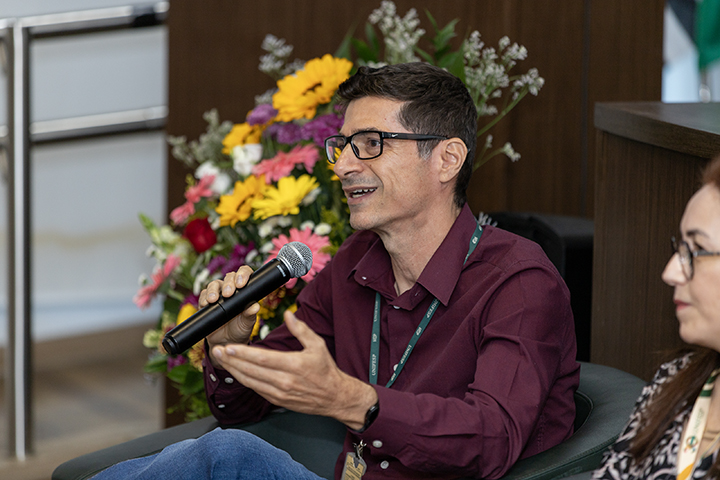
697 300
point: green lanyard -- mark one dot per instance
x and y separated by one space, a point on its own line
375 338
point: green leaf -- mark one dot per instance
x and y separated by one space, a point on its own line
364 52
454 64
443 37
156 364
343 50
179 374
147 223
373 40
425 55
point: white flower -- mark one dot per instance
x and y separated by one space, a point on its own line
307 224
266 228
310 197
251 255
322 229
510 152
285 221
142 279
245 157
267 248
222 182
201 280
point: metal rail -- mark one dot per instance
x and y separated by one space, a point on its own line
16 139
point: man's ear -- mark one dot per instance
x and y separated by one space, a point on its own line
452 156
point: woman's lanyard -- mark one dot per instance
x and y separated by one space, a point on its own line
688 451
375 338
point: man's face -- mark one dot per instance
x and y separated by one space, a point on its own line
391 191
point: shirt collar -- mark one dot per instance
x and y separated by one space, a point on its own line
440 275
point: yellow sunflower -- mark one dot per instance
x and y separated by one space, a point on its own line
286 198
187 311
241 134
237 206
300 94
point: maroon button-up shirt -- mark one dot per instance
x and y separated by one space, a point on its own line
490 381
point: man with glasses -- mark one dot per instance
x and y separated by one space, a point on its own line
446 348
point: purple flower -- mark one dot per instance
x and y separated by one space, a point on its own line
318 129
174 361
192 299
216 263
261 114
232 265
241 251
289 133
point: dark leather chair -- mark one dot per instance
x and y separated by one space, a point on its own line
604 401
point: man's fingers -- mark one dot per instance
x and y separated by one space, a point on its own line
300 330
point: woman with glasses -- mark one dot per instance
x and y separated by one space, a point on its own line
674 431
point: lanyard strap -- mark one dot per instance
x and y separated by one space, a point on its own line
375 337
688 451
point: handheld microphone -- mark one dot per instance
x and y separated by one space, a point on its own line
293 260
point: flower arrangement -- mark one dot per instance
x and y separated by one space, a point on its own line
260 184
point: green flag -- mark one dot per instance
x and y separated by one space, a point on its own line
707 32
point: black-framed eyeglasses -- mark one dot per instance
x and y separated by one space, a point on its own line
368 144
686 255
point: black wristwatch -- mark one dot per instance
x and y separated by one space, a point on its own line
370 416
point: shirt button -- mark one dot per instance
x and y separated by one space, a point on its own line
229 379
221 406
377 443
384 464
364 278
213 378
396 307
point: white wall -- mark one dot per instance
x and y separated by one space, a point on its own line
88 245
681 78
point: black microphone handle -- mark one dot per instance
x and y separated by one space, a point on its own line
261 283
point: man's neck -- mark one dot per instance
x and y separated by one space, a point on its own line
411 247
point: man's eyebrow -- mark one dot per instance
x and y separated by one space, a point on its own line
364 129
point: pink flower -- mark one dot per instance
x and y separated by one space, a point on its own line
180 214
315 242
201 189
193 195
307 155
283 163
146 294
274 168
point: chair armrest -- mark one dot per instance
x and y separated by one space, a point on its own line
86 466
314 441
613 394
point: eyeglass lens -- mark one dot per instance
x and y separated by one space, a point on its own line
365 145
686 258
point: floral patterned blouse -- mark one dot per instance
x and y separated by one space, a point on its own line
662 462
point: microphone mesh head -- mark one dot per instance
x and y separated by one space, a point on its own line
297 257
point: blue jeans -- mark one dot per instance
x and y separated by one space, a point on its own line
218 455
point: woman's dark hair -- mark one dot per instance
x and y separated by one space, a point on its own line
682 389
435 103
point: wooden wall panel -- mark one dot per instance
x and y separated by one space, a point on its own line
586 51
648 163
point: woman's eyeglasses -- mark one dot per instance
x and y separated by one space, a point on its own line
686 256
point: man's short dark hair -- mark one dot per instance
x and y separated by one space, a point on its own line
436 103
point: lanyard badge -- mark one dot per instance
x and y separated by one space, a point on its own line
689 448
355 467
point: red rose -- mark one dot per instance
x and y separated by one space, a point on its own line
200 234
